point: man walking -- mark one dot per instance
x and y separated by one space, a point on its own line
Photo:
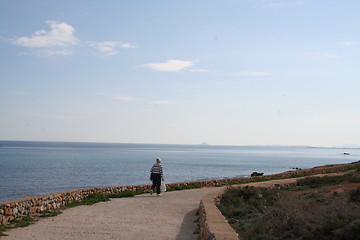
156 176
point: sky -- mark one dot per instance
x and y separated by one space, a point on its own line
229 72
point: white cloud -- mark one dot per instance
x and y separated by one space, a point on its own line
347 43
199 70
101 94
60 117
234 105
23 54
330 55
60 35
109 48
253 74
126 99
119 97
53 52
59 39
323 54
162 102
279 5
127 45
21 93
132 99
170 66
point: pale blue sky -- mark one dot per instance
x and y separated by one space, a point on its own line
232 72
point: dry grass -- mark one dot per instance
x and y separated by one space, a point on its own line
265 214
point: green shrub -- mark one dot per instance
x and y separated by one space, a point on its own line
265 214
182 187
123 194
89 200
50 213
355 195
3 229
354 167
242 206
15 223
24 222
316 182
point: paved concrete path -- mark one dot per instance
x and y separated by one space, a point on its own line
170 216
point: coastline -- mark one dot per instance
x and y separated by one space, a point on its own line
30 206
36 169
136 218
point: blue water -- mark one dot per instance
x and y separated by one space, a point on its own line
36 168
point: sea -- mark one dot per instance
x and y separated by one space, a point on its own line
37 168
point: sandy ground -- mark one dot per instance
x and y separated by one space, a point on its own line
170 216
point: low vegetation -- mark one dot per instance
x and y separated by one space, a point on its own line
24 222
49 213
89 200
126 194
182 187
308 211
316 182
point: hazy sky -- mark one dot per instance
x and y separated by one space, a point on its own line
232 72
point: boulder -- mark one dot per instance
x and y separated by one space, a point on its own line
256 174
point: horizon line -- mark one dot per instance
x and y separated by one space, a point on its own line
356 146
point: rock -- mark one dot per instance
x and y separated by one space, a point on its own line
15 210
33 210
11 218
256 174
8 211
4 220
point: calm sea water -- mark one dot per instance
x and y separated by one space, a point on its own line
36 168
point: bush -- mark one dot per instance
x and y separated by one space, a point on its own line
182 187
316 182
266 214
242 206
24 222
355 195
50 213
3 229
89 200
124 194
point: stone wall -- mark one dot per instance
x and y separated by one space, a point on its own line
213 224
32 206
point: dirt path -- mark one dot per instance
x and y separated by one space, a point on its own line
170 216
